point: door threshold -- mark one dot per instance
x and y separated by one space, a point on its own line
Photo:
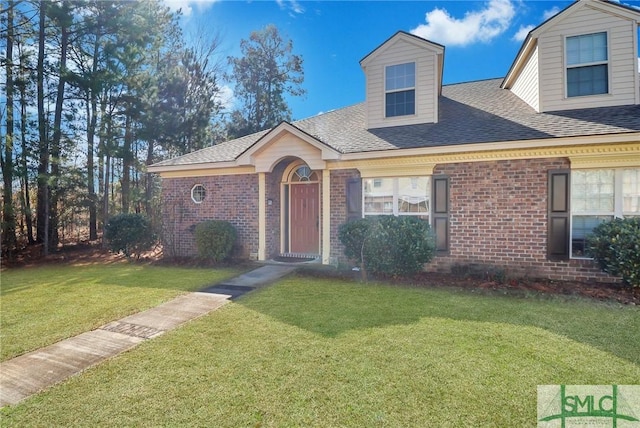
297 258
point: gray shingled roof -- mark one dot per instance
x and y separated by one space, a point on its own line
474 112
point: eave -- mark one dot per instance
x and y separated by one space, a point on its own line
625 146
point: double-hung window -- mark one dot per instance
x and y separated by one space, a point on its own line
400 90
426 197
397 196
587 65
599 195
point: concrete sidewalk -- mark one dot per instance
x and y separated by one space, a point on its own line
30 373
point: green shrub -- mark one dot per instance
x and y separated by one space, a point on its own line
130 234
389 245
215 239
352 236
615 245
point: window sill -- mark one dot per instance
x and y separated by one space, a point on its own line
404 116
575 97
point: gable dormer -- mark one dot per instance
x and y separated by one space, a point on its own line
403 81
583 57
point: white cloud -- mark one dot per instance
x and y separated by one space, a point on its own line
188 6
226 98
476 26
627 4
292 5
550 12
522 32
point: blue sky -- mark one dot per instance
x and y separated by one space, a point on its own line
481 37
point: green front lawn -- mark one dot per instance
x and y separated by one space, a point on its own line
314 352
42 305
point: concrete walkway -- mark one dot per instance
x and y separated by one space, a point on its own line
30 373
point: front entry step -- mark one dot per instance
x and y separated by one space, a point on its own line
297 257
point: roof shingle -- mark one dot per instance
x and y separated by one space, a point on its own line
473 112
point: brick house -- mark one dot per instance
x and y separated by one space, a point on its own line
510 172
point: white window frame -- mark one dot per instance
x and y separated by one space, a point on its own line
404 89
568 66
618 205
396 197
204 195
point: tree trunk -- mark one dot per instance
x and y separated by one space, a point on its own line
42 233
26 196
112 180
136 179
148 191
102 151
105 201
91 191
57 136
106 146
92 113
127 160
8 214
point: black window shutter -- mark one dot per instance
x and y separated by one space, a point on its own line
558 214
354 199
440 213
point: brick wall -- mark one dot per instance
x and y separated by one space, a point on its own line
233 198
339 209
498 216
498 219
273 193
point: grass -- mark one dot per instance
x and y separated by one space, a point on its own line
42 305
312 352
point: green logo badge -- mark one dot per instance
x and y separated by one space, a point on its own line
567 406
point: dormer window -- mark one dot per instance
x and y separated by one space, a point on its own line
404 78
587 65
400 90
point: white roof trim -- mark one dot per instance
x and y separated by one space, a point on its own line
246 158
628 137
606 7
406 37
523 56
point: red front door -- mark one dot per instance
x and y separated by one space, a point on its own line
304 223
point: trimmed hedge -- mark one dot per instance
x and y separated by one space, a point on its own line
615 245
397 246
352 235
130 234
215 239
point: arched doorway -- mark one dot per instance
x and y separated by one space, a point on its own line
301 193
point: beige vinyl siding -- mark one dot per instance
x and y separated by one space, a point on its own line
426 88
284 146
623 81
526 85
